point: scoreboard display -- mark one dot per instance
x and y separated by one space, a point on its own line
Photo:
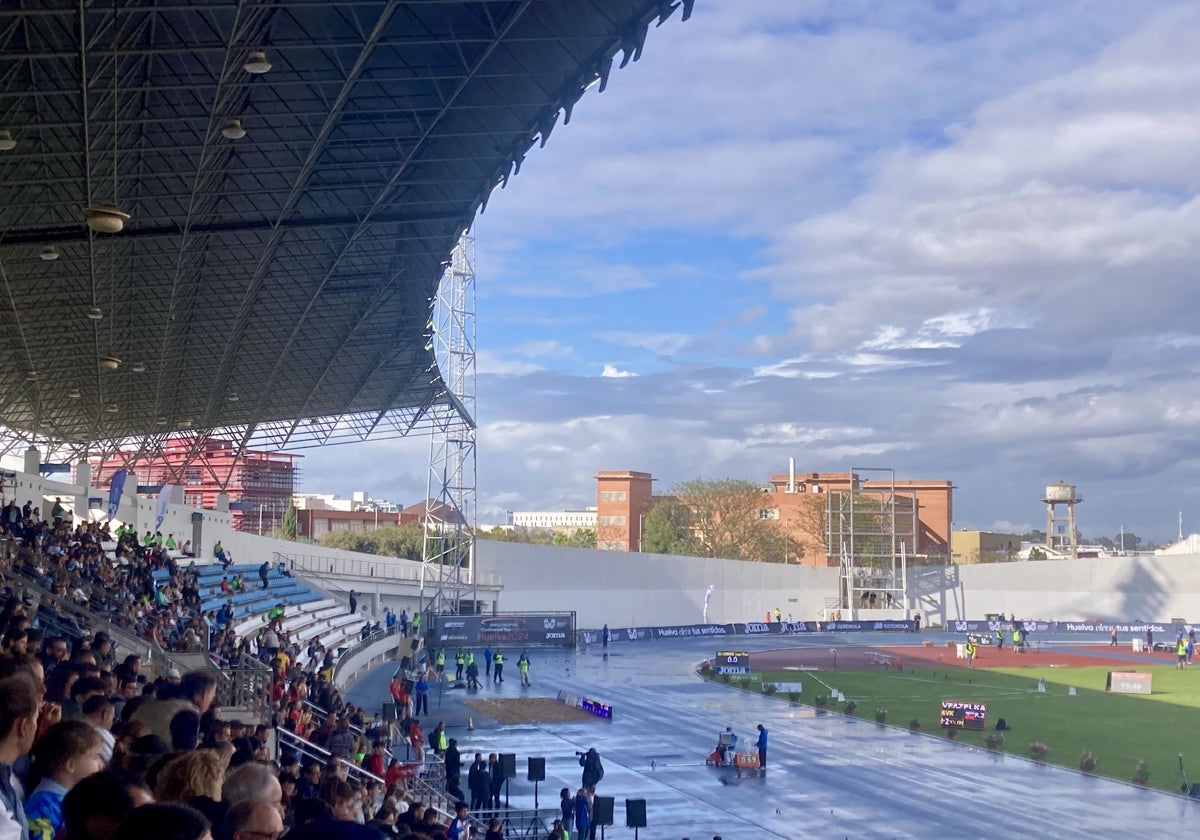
734 662
957 714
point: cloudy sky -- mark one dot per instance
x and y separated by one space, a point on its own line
959 239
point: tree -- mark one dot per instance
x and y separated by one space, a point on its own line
288 530
1127 541
531 536
582 538
729 518
808 527
666 529
406 542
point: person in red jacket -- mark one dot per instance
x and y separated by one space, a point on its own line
376 762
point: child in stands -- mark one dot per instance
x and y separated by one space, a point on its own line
68 752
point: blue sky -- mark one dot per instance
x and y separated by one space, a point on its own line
959 239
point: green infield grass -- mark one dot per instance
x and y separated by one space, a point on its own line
1119 729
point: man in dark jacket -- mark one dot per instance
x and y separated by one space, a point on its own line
593 770
497 780
479 780
453 770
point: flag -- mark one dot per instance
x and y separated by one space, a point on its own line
115 488
164 501
712 587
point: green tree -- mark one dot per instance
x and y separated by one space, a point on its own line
666 529
582 538
406 542
288 530
530 536
731 518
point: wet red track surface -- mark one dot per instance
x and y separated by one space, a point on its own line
859 657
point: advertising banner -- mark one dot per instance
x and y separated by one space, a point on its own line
115 488
526 630
683 631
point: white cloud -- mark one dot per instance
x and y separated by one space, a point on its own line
612 372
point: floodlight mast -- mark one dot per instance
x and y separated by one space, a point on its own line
448 558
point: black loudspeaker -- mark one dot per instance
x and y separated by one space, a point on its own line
389 712
635 813
508 765
603 808
537 769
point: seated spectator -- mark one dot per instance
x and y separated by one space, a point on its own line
68 753
165 821
94 808
194 778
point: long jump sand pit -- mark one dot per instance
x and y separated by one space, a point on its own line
529 710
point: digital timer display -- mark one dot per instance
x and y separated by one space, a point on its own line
732 662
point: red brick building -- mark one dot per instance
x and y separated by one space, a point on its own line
623 497
800 503
260 484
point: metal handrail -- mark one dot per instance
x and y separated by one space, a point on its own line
159 659
305 747
382 568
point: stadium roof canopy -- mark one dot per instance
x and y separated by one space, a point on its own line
275 286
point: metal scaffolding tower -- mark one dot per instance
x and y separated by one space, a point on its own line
447 573
873 529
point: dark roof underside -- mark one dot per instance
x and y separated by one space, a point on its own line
279 284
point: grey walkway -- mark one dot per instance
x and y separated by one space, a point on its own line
828 776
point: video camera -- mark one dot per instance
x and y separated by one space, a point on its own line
580 753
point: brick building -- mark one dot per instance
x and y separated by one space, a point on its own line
623 498
800 503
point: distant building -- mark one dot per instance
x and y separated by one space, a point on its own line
801 503
984 547
349 515
623 498
259 483
566 522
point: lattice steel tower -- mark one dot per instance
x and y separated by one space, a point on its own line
448 573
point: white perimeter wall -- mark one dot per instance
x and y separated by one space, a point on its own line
621 588
632 589
1131 588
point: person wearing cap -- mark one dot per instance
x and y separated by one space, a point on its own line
174 676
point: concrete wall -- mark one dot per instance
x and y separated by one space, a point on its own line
1145 587
622 588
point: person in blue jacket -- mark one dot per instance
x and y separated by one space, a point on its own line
762 745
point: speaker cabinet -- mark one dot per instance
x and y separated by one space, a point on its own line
508 765
635 813
602 810
537 769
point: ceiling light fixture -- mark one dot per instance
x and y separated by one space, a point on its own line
185 423
257 64
138 367
31 376
74 393
110 362
233 130
162 421
112 409
50 253
7 143
233 397
95 313
106 218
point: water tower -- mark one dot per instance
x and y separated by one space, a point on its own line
1061 536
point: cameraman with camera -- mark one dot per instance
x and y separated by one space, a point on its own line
593 770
